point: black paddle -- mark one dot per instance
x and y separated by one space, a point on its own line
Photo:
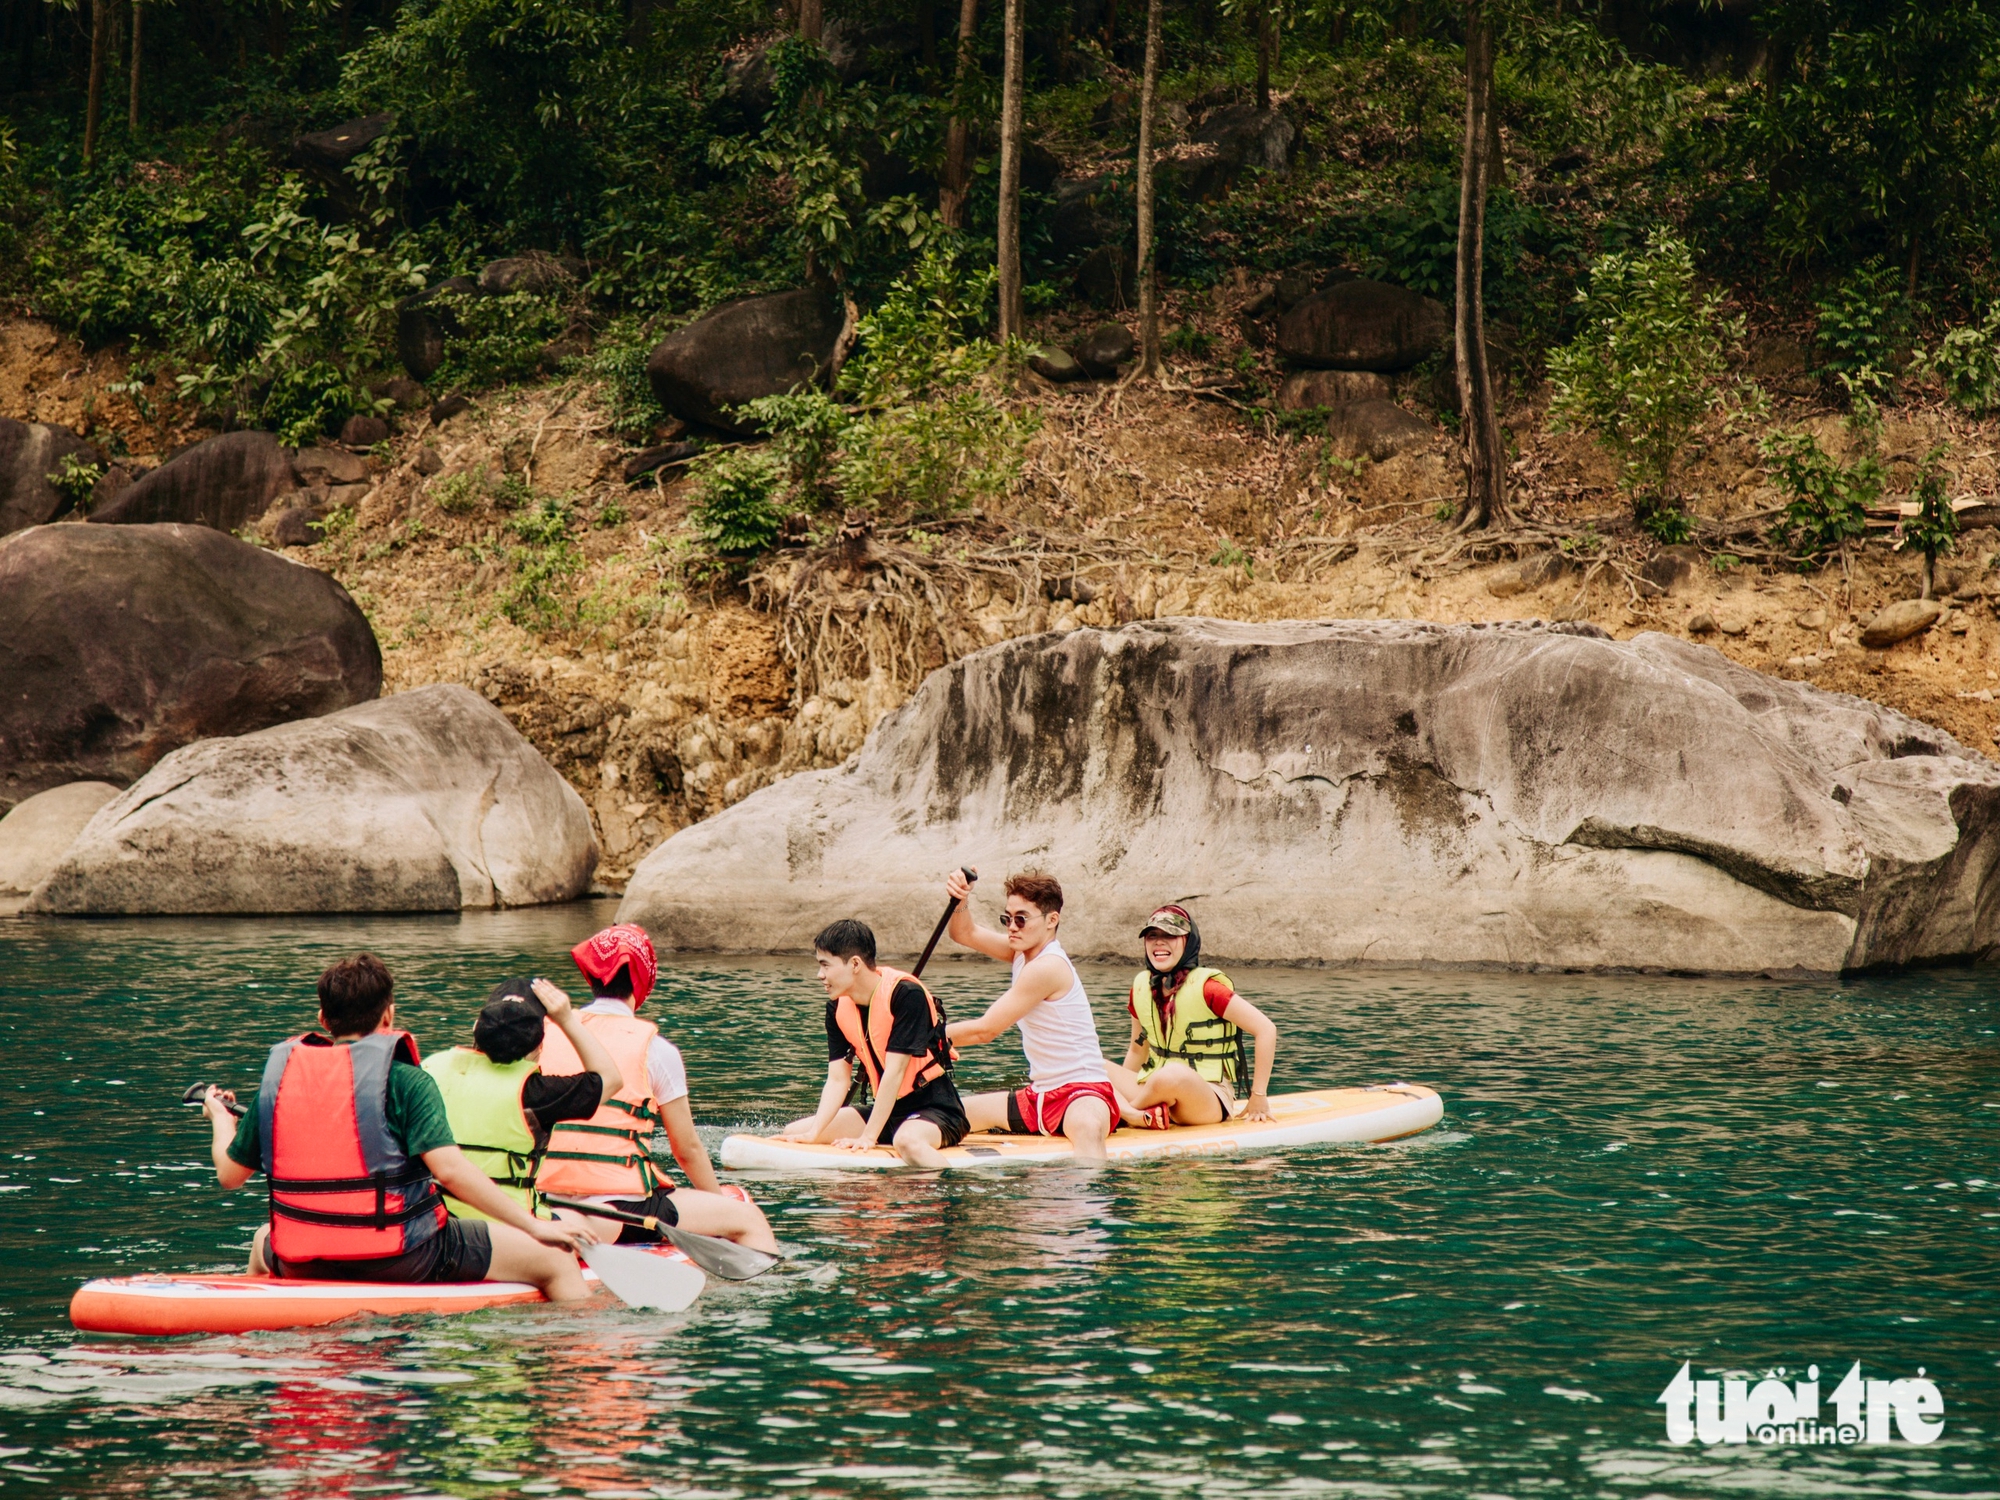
197 1091
971 877
724 1258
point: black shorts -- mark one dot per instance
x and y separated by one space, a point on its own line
948 1116
461 1251
660 1205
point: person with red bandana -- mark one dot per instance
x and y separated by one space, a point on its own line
604 1159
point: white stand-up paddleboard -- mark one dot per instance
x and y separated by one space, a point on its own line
1380 1113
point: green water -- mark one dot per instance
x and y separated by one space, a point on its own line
1630 1173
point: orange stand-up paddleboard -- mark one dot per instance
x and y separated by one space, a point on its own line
225 1303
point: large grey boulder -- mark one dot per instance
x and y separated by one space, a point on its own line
760 346
426 801
121 643
29 453
37 832
1380 430
1363 325
1387 792
225 482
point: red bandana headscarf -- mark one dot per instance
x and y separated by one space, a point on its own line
602 954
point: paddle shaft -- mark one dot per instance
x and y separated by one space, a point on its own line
943 922
724 1258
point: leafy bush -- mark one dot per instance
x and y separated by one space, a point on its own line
918 437
1827 500
1866 327
1648 364
1933 530
543 563
74 478
498 340
1967 362
1416 243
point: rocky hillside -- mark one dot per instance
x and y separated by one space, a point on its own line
501 545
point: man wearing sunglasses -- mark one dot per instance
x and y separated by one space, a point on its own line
1068 1093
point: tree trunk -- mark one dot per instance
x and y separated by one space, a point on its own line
100 37
1910 278
1010 174
1264 56
811 20
1149 296
132 100
958 134
1479 423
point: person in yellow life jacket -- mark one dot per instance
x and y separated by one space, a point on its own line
352 1136
501 1104
1186 1062
604 1159
894 1028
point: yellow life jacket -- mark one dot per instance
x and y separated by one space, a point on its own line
1193 1034
604 1156
482 1100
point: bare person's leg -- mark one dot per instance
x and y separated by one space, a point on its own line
846 1123
920 1143
727 1218
986 1111
1190 1098
258 1265
519 1256
1087 1123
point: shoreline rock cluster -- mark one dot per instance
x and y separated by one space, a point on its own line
1378 792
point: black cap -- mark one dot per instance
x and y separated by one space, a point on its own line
510 1024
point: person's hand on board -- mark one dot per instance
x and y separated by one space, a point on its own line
855 1143
1259 1108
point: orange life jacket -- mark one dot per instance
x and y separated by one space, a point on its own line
342 1187
604 1156
871 1043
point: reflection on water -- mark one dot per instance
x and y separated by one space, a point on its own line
1630 1173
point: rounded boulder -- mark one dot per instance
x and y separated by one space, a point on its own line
1363 325
760 346
119 644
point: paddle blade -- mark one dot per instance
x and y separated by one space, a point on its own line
640 1278
720 1257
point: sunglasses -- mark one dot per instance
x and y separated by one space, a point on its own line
1016 918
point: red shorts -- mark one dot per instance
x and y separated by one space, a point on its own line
1030 1113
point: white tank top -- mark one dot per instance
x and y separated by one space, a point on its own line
1059 1036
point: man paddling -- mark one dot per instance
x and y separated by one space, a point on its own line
1185 1063
500 1102
605 1160
353 1138
890 1023
1068 1093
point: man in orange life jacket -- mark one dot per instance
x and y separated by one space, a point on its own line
888 1022
604 1159
351 1134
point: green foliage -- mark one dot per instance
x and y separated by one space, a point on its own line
735 515
1967 363
543 562
1875 128
815 145
1827 500
457 494
618 362
1416 242
1933 530
1648 364
918 435
1665 523
74 478
1866 325
498 340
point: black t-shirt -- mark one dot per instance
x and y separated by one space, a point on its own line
909 1025
549 1100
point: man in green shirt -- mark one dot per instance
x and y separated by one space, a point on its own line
356 1143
